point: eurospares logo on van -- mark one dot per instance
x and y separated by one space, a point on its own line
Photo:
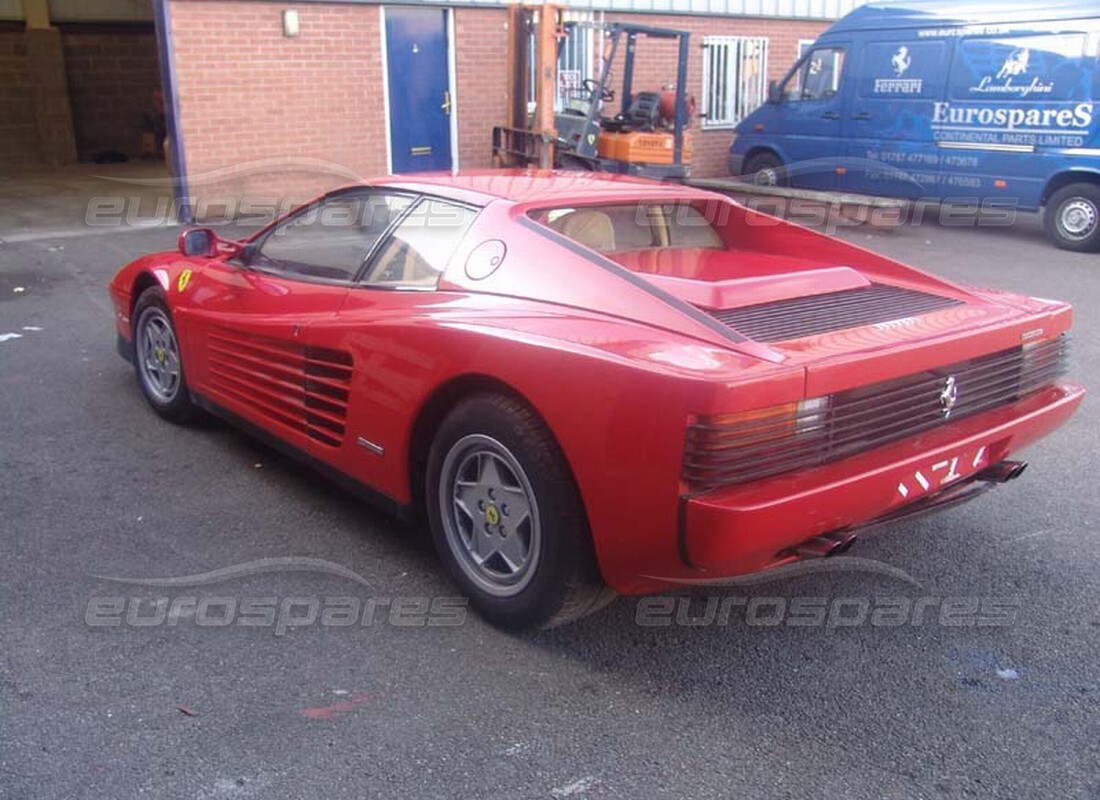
1012 119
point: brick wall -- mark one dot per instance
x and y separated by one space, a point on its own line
482 51
50 96
265 116
18 137
248 94
481 81
112 74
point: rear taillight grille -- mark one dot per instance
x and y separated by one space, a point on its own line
857 420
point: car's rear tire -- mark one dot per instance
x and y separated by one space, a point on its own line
157 359
507 519
1071 218
765 169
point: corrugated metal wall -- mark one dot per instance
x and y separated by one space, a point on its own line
74 10
783 9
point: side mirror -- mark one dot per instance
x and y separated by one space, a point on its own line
774 93
198 242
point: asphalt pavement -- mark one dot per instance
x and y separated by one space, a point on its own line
175 606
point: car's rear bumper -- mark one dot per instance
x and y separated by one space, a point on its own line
746 528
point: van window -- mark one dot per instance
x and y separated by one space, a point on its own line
902 71
1021 68
818 77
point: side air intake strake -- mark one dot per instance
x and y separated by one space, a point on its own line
304 388
795 318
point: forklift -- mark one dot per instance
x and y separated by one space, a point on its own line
645 136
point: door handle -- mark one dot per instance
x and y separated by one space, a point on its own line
446 102
831 115
862 115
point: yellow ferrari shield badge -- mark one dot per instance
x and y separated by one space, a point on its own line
184 279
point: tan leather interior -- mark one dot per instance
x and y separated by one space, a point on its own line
590 228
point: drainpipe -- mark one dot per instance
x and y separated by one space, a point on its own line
162 19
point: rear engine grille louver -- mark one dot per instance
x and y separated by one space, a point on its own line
808 316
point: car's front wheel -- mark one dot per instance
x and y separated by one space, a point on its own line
507 519
157 360
1072 218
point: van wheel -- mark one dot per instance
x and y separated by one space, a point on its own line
765 169
507 519
1072 218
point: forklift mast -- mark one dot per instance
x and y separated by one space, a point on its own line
629 142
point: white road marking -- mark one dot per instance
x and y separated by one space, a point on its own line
6 336
576 787
1032 535
31 328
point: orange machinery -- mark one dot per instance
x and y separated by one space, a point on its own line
646 135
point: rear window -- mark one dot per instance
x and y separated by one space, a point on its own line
637 226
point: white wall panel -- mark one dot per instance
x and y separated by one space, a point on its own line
826 10
784 9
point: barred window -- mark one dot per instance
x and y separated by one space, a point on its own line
735 78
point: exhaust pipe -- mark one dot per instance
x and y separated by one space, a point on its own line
1002 472
825 545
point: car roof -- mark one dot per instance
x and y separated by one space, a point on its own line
544 187
877 15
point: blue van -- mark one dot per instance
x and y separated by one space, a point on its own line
982 100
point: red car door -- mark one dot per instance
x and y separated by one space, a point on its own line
246 321
381 327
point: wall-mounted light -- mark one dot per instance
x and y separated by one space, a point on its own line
290 23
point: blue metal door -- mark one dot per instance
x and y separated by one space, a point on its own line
419 85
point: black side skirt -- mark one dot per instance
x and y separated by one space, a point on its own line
402 511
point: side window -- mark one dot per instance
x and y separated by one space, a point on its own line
818 77
417 252
332 239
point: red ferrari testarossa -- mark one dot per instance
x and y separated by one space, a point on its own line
589 385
